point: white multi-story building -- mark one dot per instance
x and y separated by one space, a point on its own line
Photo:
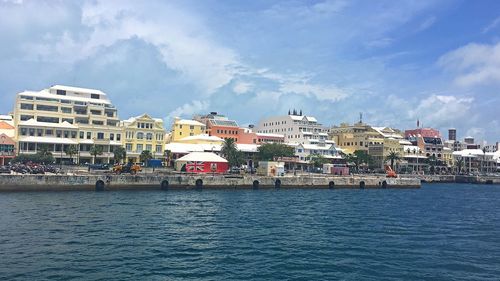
60 116
295 128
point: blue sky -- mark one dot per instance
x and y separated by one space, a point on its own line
395 61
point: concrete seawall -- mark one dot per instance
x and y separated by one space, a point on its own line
118 182
459 179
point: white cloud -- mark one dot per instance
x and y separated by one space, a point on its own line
491 26
428 22
473 64
242 87
440 110
188 109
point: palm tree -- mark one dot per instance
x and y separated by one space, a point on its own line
95 150
119 154
393 156
145 156
231 153
168 154
71 150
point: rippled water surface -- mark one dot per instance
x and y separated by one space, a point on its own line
439 232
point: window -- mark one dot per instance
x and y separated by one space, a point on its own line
51 108
82 134
69 120
39 132
149 136
95 96
24 131
26 98
89 135
118 137
26 106
66 134
128 147
191 127
112 136
26 117
95 112
149 147
140 135
100 136
158 149
61 92
49 132
66 109
96 122
66 101
139 148
73 134
58 133
47 119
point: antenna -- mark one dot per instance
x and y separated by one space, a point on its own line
361 117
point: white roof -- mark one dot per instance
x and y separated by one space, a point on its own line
247 147
468 153
46 94
387 132
77 89
189 122
303 118
33 122
5 117
202 156
404 142
318 147
204 137
145 115
177 147
48 140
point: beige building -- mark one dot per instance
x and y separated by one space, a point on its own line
182 128
61 116
143 133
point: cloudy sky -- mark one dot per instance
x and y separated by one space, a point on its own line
395 61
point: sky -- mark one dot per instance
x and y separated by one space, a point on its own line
393 61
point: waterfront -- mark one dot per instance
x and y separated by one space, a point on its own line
438 232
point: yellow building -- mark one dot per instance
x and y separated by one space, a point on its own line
354 137
182 128
143 133
60 116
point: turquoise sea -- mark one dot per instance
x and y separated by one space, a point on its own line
438 232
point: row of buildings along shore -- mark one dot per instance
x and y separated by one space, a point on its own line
61 116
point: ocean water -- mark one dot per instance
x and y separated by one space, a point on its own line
438 232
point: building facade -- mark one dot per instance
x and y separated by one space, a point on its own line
294 128
143 133
182 128
60 116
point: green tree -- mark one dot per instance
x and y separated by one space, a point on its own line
358 158
268 151
96 150
393 157
145 156
71 150
317 160
119 154
433 162
230 151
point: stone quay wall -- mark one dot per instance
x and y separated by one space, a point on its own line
183 181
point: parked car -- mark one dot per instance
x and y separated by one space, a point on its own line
99 166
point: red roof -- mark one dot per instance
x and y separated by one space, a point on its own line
5 126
